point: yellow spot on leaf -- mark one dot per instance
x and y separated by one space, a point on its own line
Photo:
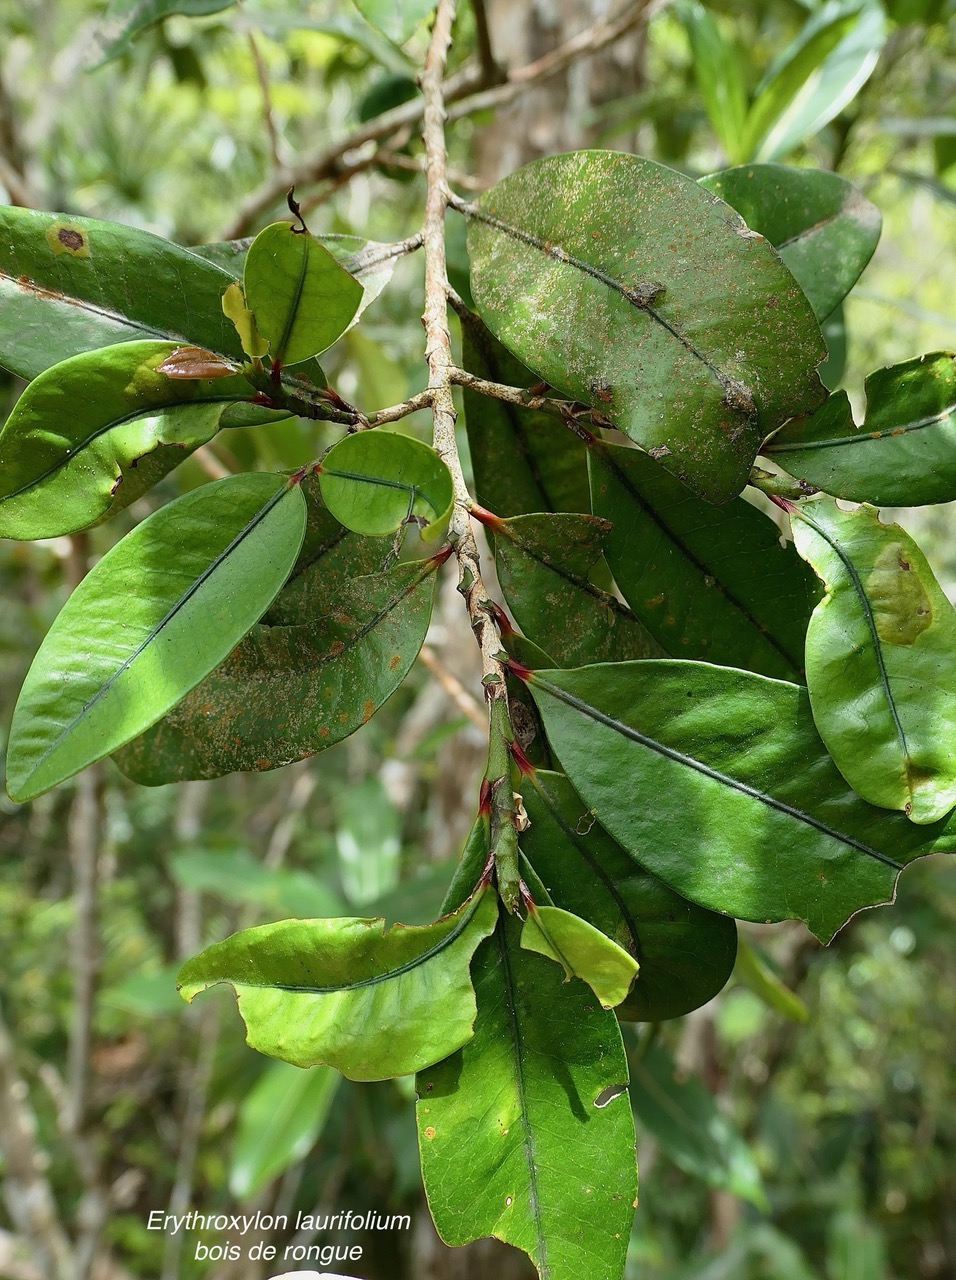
901 608
67 237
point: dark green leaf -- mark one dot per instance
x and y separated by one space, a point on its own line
902 454
373 482
92 434
74 284
690 1127
287 692
822 227
708 582
686 954
719 79
234 875
348 994
399 19
154 617
881 657
716 781
581 950
301 297
278 1124
523 460
125 19
543 565
629 287
537 1103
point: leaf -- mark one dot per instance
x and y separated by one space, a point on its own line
629 287
718 75
368 841
234 875
543 563
287 692
523 460
154 617
686 954
278 1124
753 972
707 582
302 298
537 1100
92 434
582 951
70 284
816 76
904 452
824 229
881 655
686 1121
373 482
716 781
348 994
126 19
399 19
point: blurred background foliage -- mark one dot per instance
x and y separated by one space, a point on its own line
801 1125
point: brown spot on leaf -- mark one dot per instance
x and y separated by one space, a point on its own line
67 237
429 1132
368 710
394 661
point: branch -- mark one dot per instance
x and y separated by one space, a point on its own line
263 77
466 89
493 74
452 686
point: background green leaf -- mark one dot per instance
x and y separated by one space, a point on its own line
348 994
719 78
686 954
902 454
125 19
70 284
707 582
547 1169
399 19
677 755
288 692
824 229
91 435
154 617
553 249
279 1121
881 656
302 298
373 481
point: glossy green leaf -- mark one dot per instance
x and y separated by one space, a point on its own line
716 781
685 1119
718 75
301 297
686 954
707 582
373 482
523 460
329 559
279 1122
155 616
75 284
538 1102
92 434
881 660
582 951
903 453
399 19
287 692
753 972
823 228
349 994
816 76
629 287
126 19
543 563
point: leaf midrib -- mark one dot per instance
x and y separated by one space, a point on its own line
861 435
679 757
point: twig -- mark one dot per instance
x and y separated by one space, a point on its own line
263 77
467 91
486 57
210 463
396 411
459 695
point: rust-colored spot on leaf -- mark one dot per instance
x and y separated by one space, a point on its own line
394 661
430 1132
368 710
323 731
